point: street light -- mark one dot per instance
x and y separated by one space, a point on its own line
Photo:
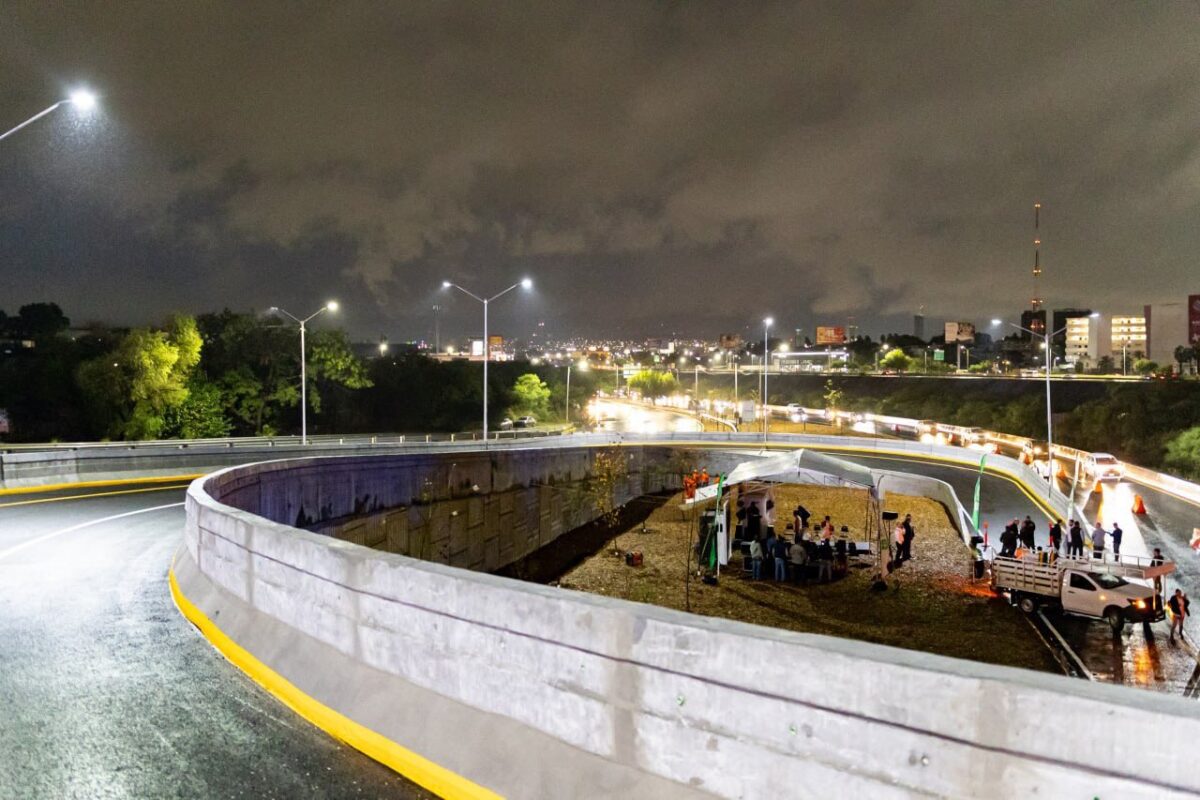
82 100
767 323
524 283
582 367
884 348
1046 337
331 306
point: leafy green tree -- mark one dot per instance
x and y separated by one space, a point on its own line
1183 453
833 396
200 416
896 359
531 395
1144 366
39 321
653 383
147 375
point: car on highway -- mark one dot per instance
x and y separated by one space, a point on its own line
1084 588
526 421
1103 467
506 424
795 412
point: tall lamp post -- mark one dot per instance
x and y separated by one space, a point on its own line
303 323
524 283
81 99
767 323
1046 336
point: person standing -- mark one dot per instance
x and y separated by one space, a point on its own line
1056 535
781 558
1116 535
909 535
1180 609
1098 534
753 522
769 550
799 558
898 537
1028 527
825 561
1008 540
827 528
1075 548
739 530
800 520
756 556
1156 560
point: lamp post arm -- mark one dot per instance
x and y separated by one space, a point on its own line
31 120
501 294
467 293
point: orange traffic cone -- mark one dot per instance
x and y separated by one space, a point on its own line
1099 487
1061 474
1139 507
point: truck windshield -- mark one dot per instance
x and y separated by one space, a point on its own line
1108 581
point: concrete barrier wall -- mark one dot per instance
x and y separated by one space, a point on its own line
581 695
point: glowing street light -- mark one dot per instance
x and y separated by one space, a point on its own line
331 307
81 100
767 323
524 283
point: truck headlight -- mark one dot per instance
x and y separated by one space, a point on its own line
1141 604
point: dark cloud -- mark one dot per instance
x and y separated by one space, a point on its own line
655 166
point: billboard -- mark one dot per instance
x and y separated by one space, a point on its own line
960 332
830 335
1193 318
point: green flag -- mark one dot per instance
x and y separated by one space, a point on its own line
978 480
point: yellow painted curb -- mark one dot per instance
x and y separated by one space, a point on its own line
417 769
90 495
57 487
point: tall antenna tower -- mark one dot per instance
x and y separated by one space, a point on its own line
1036 301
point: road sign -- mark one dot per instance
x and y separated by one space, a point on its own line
939 355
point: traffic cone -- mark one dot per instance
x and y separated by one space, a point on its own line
1099 487
1061 474
1139 507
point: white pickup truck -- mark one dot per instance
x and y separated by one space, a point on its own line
1110 591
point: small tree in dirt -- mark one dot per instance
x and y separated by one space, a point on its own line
610 471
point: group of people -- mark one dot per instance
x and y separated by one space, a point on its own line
1019 540
904 535
776 556
691 483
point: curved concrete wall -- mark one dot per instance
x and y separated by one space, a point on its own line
538 692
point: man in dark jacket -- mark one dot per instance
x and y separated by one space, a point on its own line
1075 547
1008 540
1116 535
1027 530
1056 535
906 543
1180 609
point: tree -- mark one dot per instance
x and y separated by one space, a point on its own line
833 395
653 383
1144 366
896 359
980 366
1105 366
134 387
200 416
531 396
1183 452
1184 355
39 321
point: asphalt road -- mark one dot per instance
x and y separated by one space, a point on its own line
107 692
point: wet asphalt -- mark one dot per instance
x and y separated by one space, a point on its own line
107 692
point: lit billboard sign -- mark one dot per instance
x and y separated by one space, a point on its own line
831 335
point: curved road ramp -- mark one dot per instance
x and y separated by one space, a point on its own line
479 686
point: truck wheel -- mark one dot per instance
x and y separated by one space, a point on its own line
1027 604
1115 619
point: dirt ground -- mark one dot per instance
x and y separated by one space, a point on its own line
930 605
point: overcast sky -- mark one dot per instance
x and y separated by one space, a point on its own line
655 166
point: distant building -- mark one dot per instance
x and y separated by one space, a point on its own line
1167 327
919 326
1058 321
1083 342
1127 340
1033 320
730 341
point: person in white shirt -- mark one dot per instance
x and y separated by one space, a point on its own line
1098 534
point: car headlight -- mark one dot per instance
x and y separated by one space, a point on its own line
1138 603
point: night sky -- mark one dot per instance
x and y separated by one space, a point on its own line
654 166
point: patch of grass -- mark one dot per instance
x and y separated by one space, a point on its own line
930 605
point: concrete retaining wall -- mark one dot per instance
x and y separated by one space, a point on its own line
539 692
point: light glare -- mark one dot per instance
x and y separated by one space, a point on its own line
83 100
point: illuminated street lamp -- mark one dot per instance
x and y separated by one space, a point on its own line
582 367
331 306
81 100
883 348
1046 336
767 323
524 283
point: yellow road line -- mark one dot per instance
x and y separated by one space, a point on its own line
416 768
90 495
57 487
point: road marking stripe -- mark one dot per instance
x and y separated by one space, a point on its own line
91 495
56 487
45 536
416 768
